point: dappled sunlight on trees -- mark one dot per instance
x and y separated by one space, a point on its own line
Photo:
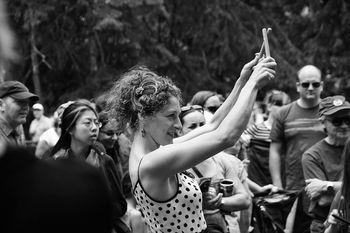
80 46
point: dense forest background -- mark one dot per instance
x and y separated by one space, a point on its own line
76 48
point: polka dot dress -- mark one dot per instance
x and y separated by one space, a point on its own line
182 213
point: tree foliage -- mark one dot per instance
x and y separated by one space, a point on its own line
81 46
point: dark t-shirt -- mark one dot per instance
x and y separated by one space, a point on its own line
322 161
297 129
52 196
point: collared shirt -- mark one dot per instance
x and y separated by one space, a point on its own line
11 136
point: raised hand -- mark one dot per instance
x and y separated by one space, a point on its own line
263 71
248 68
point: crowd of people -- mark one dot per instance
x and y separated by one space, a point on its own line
162 162
138 159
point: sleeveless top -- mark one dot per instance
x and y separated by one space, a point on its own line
181 213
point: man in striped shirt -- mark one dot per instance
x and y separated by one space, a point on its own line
295 129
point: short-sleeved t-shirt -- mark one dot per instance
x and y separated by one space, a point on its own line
230 167
50 137
258 153
322 161
297 129
38 127
227 167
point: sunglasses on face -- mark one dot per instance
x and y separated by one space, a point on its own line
307 84
213 109
339 121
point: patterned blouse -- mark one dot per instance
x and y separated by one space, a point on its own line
181 213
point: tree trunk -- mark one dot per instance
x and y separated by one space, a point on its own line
33 55
93 55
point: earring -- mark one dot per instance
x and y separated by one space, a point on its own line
143 132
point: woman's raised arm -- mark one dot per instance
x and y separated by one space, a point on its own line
225 108
181 156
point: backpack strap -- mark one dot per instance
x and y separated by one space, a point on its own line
198 173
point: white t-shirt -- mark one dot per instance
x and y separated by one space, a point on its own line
38 127
50 137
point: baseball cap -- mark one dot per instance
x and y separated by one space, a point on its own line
16 90
38 106
333 104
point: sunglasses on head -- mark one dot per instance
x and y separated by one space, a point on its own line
189 108
307 84
213 109
340 120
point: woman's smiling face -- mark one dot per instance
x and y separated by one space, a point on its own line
108 135
164 125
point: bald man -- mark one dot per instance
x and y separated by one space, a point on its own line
295 129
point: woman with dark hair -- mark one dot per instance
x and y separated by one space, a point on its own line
169 200
257 139
341 203
79 132
209 100
108 135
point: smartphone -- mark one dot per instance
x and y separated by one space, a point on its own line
204 184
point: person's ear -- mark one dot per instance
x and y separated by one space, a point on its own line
321 87
297 84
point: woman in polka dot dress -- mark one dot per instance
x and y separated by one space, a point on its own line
149 104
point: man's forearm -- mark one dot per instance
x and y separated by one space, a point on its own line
275 164
275 170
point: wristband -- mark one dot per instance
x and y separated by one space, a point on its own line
330 186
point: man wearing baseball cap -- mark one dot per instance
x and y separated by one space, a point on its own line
14 108
39 124
323 162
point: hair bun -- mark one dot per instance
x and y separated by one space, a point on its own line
139 91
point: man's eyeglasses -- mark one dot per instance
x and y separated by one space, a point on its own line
213 109
307 84
189 108
339 121
89 124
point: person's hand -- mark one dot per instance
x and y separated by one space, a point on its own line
263 71
315 187
248 68
245 139
331 219
271 188
210 202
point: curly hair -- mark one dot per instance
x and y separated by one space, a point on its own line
139 91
